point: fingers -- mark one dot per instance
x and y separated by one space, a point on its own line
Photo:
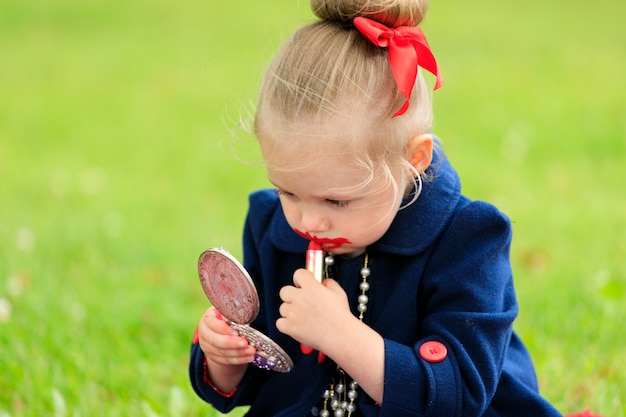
221 343
305 290
332 285
303 277
283 309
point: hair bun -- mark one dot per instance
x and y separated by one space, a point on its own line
391 13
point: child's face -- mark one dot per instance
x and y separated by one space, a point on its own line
330 202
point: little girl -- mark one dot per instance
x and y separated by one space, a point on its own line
414 317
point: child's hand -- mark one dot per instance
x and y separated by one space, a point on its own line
220 343
311 311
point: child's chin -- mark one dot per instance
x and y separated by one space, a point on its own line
349 251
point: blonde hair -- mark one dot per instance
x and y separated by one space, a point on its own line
331 89
391 13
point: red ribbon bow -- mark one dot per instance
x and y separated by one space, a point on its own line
408 49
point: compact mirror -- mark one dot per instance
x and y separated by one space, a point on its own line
230 289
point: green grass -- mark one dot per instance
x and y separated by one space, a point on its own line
116 172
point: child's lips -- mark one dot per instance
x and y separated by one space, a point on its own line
332 243
326 242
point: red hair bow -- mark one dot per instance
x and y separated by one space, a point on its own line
408 49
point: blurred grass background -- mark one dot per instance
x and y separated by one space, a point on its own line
116 171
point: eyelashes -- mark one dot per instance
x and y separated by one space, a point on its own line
337 203
329 201
284 193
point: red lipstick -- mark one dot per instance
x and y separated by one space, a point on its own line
325 241
315 260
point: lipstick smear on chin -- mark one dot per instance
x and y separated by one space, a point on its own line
328 243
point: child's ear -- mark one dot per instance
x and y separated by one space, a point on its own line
420 152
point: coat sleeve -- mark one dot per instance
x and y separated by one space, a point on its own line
467 305
223 402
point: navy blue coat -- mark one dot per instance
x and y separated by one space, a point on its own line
440 273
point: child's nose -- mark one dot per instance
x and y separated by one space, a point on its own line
313 221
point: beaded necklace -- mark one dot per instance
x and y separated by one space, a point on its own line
340 397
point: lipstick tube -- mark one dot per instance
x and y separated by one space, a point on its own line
315 260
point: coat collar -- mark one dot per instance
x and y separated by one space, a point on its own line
414 228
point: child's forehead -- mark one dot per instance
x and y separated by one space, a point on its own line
295 148
297 153
321 172
305 165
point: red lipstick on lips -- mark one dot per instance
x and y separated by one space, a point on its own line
328 243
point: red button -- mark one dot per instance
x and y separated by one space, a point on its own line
433 351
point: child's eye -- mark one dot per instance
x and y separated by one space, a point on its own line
282 192
337 203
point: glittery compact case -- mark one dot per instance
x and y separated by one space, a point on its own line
231 291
